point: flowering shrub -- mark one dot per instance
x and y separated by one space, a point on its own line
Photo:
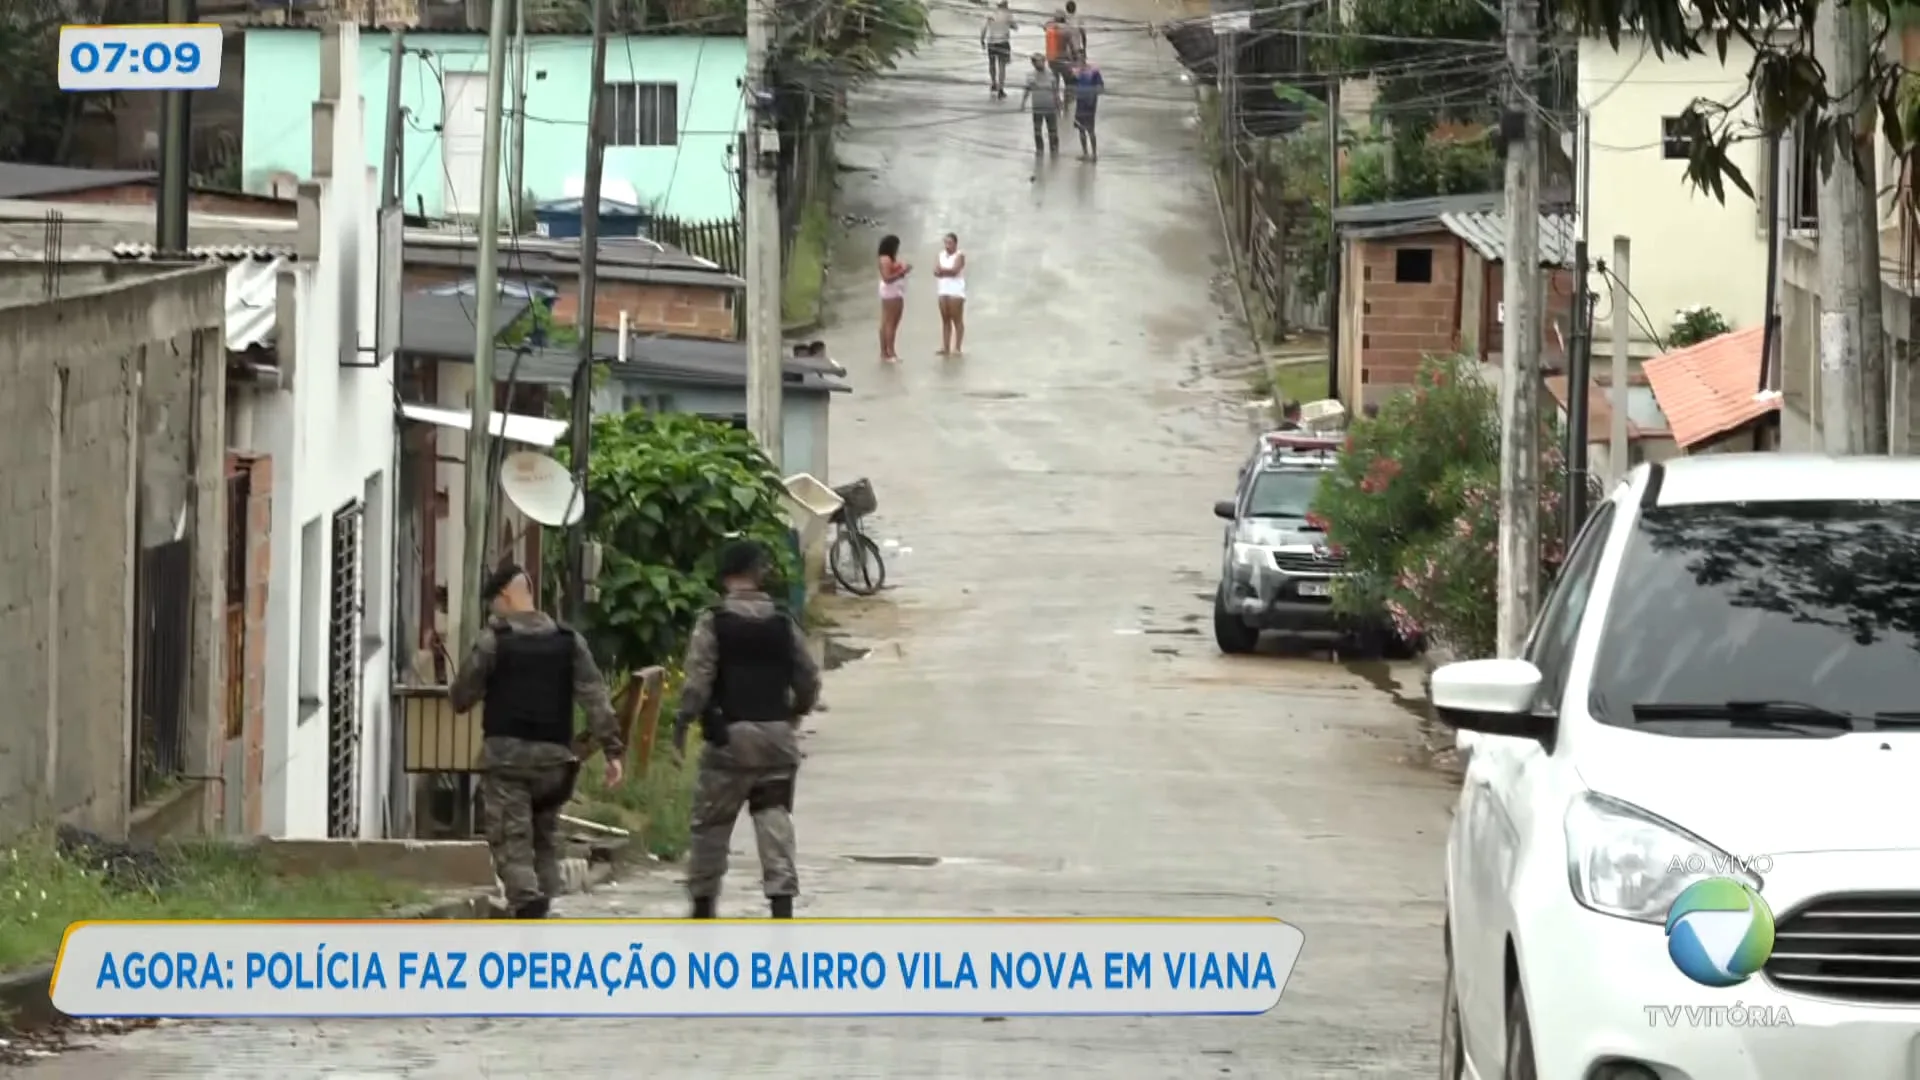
1694 325
1414 504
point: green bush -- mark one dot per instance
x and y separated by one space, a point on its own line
1414 505
664 492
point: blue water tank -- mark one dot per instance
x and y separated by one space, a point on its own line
560 219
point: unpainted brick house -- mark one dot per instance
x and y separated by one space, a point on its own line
1424 277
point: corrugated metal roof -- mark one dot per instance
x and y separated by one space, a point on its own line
223 252
253 293
1486 232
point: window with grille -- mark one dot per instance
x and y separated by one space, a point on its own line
645 114
343 674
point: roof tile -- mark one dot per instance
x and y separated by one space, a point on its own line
1711 388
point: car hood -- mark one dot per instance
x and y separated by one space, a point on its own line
1771 796
1277 532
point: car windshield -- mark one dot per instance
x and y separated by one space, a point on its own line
1814 603
1283 493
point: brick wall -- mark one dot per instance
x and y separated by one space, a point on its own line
1402 322
681 310
67 475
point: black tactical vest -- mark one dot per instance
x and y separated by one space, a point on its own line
755 668
530 692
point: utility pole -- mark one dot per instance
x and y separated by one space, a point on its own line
1519 581
517 164
1333 232
1622 334
759 175
479 475
1579 401
582 433
1853 390
176 149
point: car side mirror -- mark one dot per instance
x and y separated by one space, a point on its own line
1494 697
1223 509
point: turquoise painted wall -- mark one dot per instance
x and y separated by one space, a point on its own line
692 181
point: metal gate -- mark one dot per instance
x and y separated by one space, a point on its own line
343 675
162 603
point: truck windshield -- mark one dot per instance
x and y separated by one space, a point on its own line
1283 494
1816 603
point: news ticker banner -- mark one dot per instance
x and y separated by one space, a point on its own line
802 967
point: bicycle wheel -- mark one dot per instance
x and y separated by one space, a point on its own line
855 561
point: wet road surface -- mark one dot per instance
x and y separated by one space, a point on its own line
1043 708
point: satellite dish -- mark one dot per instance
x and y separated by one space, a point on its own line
541 488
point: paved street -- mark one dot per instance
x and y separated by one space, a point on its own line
1043 708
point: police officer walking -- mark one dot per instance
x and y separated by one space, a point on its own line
749 680
530 672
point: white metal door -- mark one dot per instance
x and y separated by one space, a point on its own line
463 129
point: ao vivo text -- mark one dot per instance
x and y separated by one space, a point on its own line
1720 864
639 969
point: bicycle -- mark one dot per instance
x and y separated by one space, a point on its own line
854 558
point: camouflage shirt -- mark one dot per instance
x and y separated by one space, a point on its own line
589 695
749 745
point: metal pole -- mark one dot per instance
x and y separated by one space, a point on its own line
517 164
176 149
479 479
1333 232
582 432
1771 335
1519 580
393 175
1579 399
1622 334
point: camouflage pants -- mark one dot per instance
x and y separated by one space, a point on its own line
718 795
522 805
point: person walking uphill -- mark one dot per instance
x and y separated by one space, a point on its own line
749 681
531 672
1042 95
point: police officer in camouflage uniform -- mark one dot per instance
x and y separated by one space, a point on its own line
749 680
531 672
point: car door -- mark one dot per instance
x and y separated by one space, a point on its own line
1500 798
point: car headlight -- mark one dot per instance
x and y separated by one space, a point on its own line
1250 555
1625 862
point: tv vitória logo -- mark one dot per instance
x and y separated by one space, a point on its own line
1719 932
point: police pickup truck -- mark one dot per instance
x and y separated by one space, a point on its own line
1276 569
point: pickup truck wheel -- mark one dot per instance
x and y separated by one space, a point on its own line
1234 637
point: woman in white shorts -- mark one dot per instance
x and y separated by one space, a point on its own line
950 283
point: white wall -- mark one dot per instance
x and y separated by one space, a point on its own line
330 429
1687 248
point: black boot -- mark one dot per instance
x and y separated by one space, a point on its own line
703 907
533 909
782 906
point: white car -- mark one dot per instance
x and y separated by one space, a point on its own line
1723 683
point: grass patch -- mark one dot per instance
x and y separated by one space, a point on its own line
1300 382
44 887
655 808
807 267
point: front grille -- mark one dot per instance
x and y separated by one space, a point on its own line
1851 948
1294 562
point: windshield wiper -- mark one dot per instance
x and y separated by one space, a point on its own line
1761 713
1897 718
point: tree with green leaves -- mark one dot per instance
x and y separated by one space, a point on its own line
38 121
1431 60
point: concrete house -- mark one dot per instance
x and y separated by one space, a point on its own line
675 105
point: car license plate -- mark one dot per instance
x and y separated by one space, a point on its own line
1314 588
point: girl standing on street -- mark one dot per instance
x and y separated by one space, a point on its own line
893 296
950 281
